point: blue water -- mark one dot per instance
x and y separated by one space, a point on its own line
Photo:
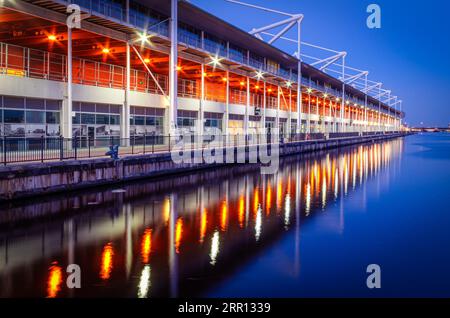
399 220
310 230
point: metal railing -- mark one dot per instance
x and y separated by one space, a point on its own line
26 62
23 149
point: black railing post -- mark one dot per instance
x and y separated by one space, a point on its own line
42 148
145 141
169 142
4 150
132 144
76 147
61 148
89 140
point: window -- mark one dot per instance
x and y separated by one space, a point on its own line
52 117
114 120
88 119
139 120
14 116
102 119
76 119
35 117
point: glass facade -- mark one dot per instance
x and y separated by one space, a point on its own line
95 121
29 117
187 121
212 121
147 121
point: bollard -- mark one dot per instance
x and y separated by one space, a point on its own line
113 152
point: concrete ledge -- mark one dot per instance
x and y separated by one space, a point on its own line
30 180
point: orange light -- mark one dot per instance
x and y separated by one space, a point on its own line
54 280
179 68
205 74
147 60
166 210
241 211
105 50
203 225
107 257
256 200
224 79
52 37
224 216
257 87
268 198
146 246
269 90
242 83
279 194
178 234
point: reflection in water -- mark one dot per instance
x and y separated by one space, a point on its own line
269 197
144 282
224 217
54 280
146 247
166 210
203 224
258 225
287 210
178 234
241 211
214 248
145 226
107 261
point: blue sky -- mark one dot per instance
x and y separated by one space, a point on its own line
410 54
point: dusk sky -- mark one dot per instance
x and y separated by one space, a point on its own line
410 54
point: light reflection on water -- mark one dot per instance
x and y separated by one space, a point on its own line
151 241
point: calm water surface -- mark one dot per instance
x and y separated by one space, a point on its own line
308 231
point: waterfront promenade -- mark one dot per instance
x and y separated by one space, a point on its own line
26 180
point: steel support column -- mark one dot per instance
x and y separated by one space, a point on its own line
247 108
125 120
365 123
227 107
317 114
379 109
289 123
277 119
173 76
343 96
308 125
299 78
264 108
201 112
67 106
330 115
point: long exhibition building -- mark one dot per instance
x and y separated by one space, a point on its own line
117 74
